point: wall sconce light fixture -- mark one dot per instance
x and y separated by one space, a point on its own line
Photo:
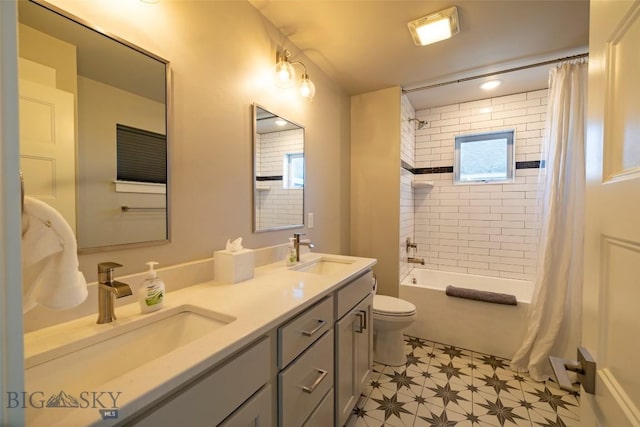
285 75
435 27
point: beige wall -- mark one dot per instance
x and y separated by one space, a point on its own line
221 56
375 182
100 221
44 49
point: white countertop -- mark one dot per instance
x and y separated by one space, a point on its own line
275 294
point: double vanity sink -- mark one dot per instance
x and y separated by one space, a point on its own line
115 351
136 360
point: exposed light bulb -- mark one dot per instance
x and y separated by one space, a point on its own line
284 71
307 88
284 75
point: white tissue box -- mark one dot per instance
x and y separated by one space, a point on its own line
233 267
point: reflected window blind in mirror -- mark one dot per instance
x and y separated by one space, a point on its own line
141 155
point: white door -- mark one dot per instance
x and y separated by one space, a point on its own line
47 147
611 299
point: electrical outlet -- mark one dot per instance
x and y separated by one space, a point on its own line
310 220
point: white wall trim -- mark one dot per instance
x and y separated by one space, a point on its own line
140 187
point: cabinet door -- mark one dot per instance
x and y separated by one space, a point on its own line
354 335
364 343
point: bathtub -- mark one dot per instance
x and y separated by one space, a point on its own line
474 325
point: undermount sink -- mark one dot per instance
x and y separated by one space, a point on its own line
85 364
323 266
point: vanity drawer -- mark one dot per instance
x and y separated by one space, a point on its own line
323 415
352 293
305 382
254 412
215 395
298 334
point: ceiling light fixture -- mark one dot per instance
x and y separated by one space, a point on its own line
285 75
435 27
491 84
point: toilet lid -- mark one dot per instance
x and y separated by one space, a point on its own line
391 306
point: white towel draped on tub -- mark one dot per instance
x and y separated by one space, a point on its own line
50 275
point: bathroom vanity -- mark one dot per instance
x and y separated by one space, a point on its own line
290 347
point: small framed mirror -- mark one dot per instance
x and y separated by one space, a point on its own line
278 172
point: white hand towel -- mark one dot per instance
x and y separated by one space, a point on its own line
50 275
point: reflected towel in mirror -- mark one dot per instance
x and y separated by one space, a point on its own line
50 275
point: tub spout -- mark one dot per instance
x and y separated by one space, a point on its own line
412 260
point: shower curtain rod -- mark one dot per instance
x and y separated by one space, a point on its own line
510 70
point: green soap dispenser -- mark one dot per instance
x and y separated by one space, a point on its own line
151 294
292 258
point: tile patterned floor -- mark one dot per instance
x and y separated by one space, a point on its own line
443 386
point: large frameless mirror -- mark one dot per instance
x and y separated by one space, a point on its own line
93 129
278 168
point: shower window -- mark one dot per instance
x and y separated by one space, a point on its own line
293 170
483 158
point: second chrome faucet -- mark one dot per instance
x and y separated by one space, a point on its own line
297 243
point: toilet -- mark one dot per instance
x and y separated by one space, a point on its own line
390 317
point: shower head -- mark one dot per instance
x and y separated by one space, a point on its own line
421 123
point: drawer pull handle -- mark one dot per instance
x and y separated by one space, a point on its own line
321 323
317 382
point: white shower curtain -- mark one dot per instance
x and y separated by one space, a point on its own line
556 309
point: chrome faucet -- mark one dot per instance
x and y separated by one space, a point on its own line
108 291
297 243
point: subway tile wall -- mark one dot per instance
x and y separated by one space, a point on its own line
484 229
407 152
277 206
408 132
